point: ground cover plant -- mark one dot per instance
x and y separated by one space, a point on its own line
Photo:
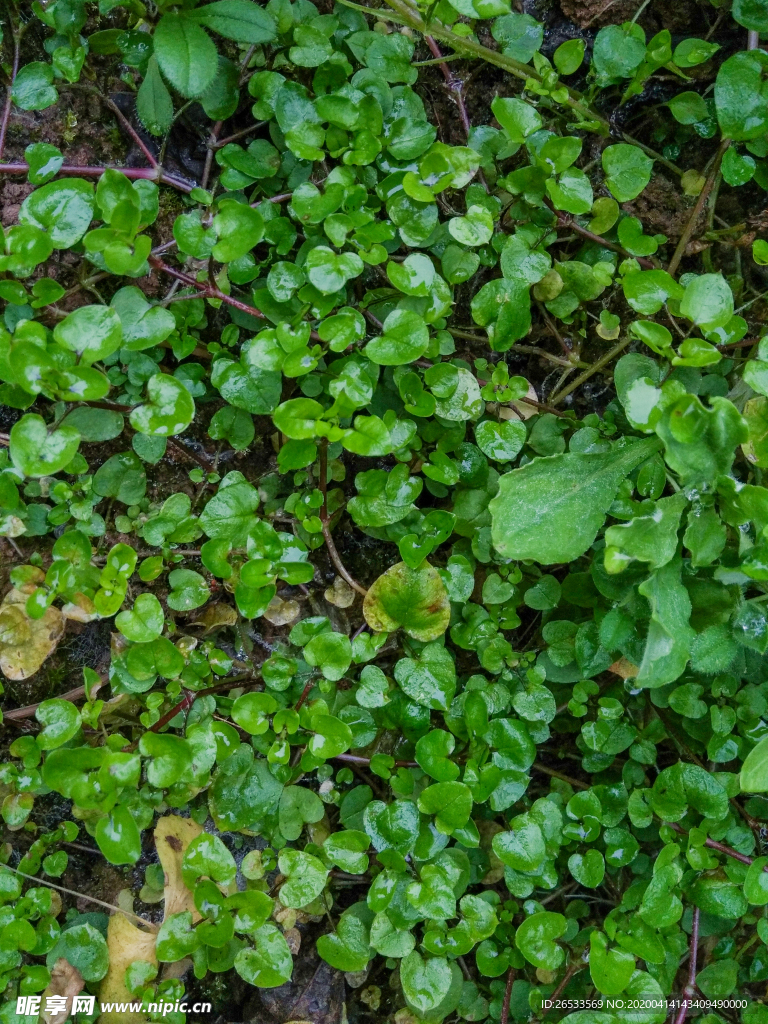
383 527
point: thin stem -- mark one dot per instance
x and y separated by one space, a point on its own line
656 156
601 362
537 766
127 126
564 220
156 173
573 968
354 759
208 292
406 15
8 96
679 252
455 87
714 845
553 330
690 988
304 694
507 996
239 135
558 360
82 896
325 519
17 714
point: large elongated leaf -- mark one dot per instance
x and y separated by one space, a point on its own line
241 20
551 509
186 54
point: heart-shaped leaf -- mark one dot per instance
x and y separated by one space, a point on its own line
535 938
38 451
144 621
329 271
170 408
269 963
415 599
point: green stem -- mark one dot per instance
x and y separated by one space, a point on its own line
601 362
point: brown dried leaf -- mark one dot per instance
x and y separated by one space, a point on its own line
214 616
66 981
340 594
126 943
21 658
172 837
280 612
624 668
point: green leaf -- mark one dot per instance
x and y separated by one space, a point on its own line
144 622
305 878
347 850
520 35
33 87
430 678
426 981
60 720
739 101
143 325
450 802
189 590
85 948
551 509
627 171
611 970
569 56
754 770
670 635
329 271
185 53
229 514
268 964
62 209
330 652
176 938
251 710
169 409
433 753
154 105
347 948
535 938
297 806
36 451
404 339
206 856
171 757
44 162
414 599
239 228
123 477
518 118
500 441
118 836
688 108
91 332
241 20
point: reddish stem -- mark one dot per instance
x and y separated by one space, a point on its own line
507 996
8 96
304 695
690 988
354 759
564 220
150 173
713 845
207 292
455 87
